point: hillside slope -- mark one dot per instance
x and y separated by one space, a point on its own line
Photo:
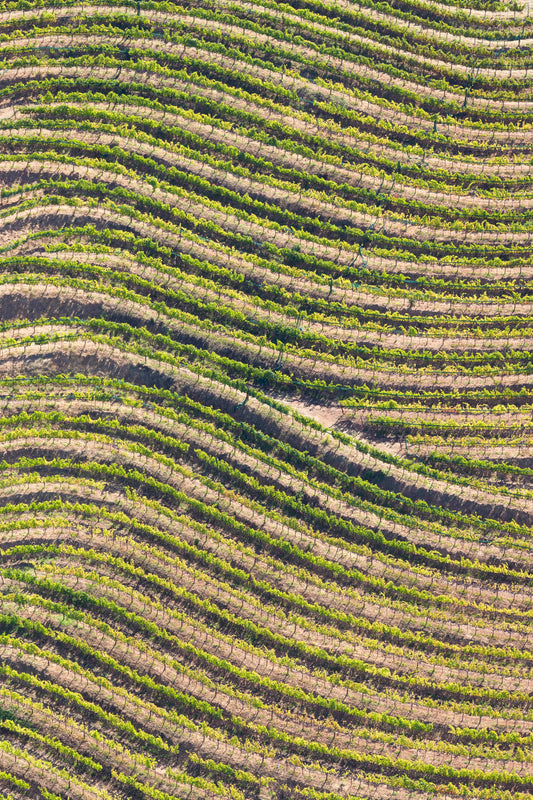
266 400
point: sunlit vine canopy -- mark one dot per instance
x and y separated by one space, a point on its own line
266 400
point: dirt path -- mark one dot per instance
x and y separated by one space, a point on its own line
82 354
184 480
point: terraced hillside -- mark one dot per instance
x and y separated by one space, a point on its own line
266 400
